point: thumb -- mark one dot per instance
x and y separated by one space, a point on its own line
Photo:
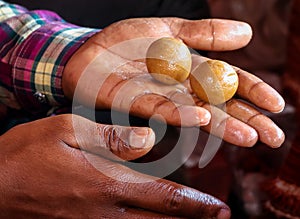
115 141
211 34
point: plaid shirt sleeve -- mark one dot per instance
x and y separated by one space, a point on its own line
34 48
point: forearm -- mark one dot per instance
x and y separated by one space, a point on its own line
35 47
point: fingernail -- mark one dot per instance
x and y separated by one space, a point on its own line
205 118
224 214
194 116
141 138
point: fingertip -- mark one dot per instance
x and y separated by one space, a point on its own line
224 213
238 34
203 116
139 141
279 107
243 31
194 116
239 133
260 93
209 206
247 31
206 116
250 138
276 139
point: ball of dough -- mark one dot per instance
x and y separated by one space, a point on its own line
214 81
169 60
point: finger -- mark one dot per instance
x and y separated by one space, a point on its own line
135 189
253 89
142 96
174 199
127 143
211 34
228 128
150 105
206 34
268 132
258 92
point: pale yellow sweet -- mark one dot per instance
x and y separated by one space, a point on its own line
214 81
169 60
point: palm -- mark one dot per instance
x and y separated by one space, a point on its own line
174 103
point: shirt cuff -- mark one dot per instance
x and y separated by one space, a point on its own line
10 10
40 61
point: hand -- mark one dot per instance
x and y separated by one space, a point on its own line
241 124
44 174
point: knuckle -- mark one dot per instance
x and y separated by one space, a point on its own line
64 119
63 122
63 127
174 199
113 140
212 30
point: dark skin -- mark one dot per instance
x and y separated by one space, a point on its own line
44 171
210 34
44 174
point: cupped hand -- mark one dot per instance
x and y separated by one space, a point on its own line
49 170
127 86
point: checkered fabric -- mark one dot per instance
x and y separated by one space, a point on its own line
34 48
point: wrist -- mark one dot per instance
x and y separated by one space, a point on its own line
76 66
